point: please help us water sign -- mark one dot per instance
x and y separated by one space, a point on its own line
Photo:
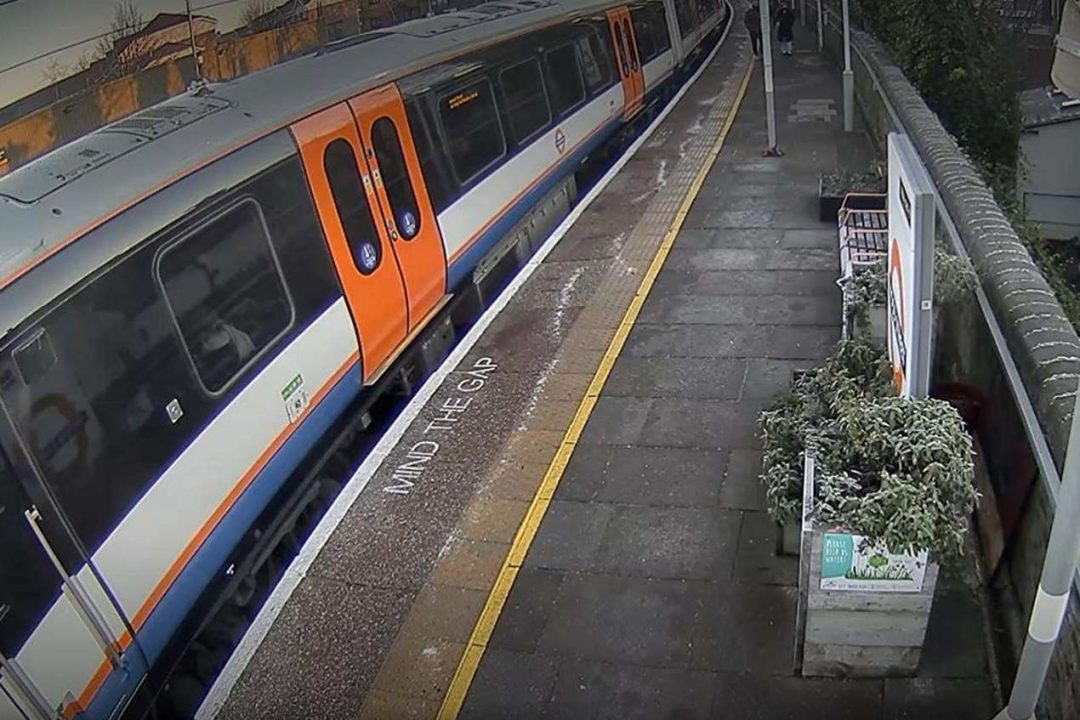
849 562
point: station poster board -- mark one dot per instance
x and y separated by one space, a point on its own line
910 279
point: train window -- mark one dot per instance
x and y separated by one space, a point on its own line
112 399
227 297
395 177
95 416
659 23
564 79
650 26
644 34
343 175
684 16
471 123
631 48
527 109
595 64
620 49
432 155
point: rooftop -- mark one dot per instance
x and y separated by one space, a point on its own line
1046 106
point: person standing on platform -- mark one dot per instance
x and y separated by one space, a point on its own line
785 28
752 20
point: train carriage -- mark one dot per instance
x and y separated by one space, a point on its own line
200 304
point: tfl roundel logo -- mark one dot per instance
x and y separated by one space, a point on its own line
560 141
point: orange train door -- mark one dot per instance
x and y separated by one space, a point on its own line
406 212
626 58
361 251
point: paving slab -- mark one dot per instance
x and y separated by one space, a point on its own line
768 697
618 691
705 378
624 619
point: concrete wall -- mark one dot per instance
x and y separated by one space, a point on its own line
1041 340
38 132
45 129
1049 185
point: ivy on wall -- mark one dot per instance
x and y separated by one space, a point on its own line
960 57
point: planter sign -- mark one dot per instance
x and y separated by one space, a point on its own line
911 268
850 563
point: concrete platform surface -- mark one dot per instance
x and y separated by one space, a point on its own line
651 588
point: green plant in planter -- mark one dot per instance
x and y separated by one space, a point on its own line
899 471
864 289
840 182
803 414
895 470
954 279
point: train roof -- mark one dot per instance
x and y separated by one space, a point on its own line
56 198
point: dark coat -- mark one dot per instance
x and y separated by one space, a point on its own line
752 20
785 25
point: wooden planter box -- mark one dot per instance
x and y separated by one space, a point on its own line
875 627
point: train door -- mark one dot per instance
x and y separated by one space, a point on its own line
406 210
360 248
59 634
626 58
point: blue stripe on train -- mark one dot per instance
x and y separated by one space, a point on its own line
199 572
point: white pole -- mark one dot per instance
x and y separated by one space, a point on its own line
766 54
820 28
1055 584
802 12
849 77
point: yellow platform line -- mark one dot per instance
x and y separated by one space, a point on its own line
485 625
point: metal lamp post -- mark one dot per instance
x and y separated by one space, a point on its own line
849 77
820 27
1055 583
766 59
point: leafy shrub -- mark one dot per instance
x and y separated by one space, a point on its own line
840 182
803 414
893 469
954 279
957 54
900 471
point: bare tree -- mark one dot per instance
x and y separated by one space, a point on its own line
253 9
127 21
55 71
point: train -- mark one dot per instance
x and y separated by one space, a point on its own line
202 305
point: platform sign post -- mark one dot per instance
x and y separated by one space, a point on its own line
910 279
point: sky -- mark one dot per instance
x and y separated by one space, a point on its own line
29 28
